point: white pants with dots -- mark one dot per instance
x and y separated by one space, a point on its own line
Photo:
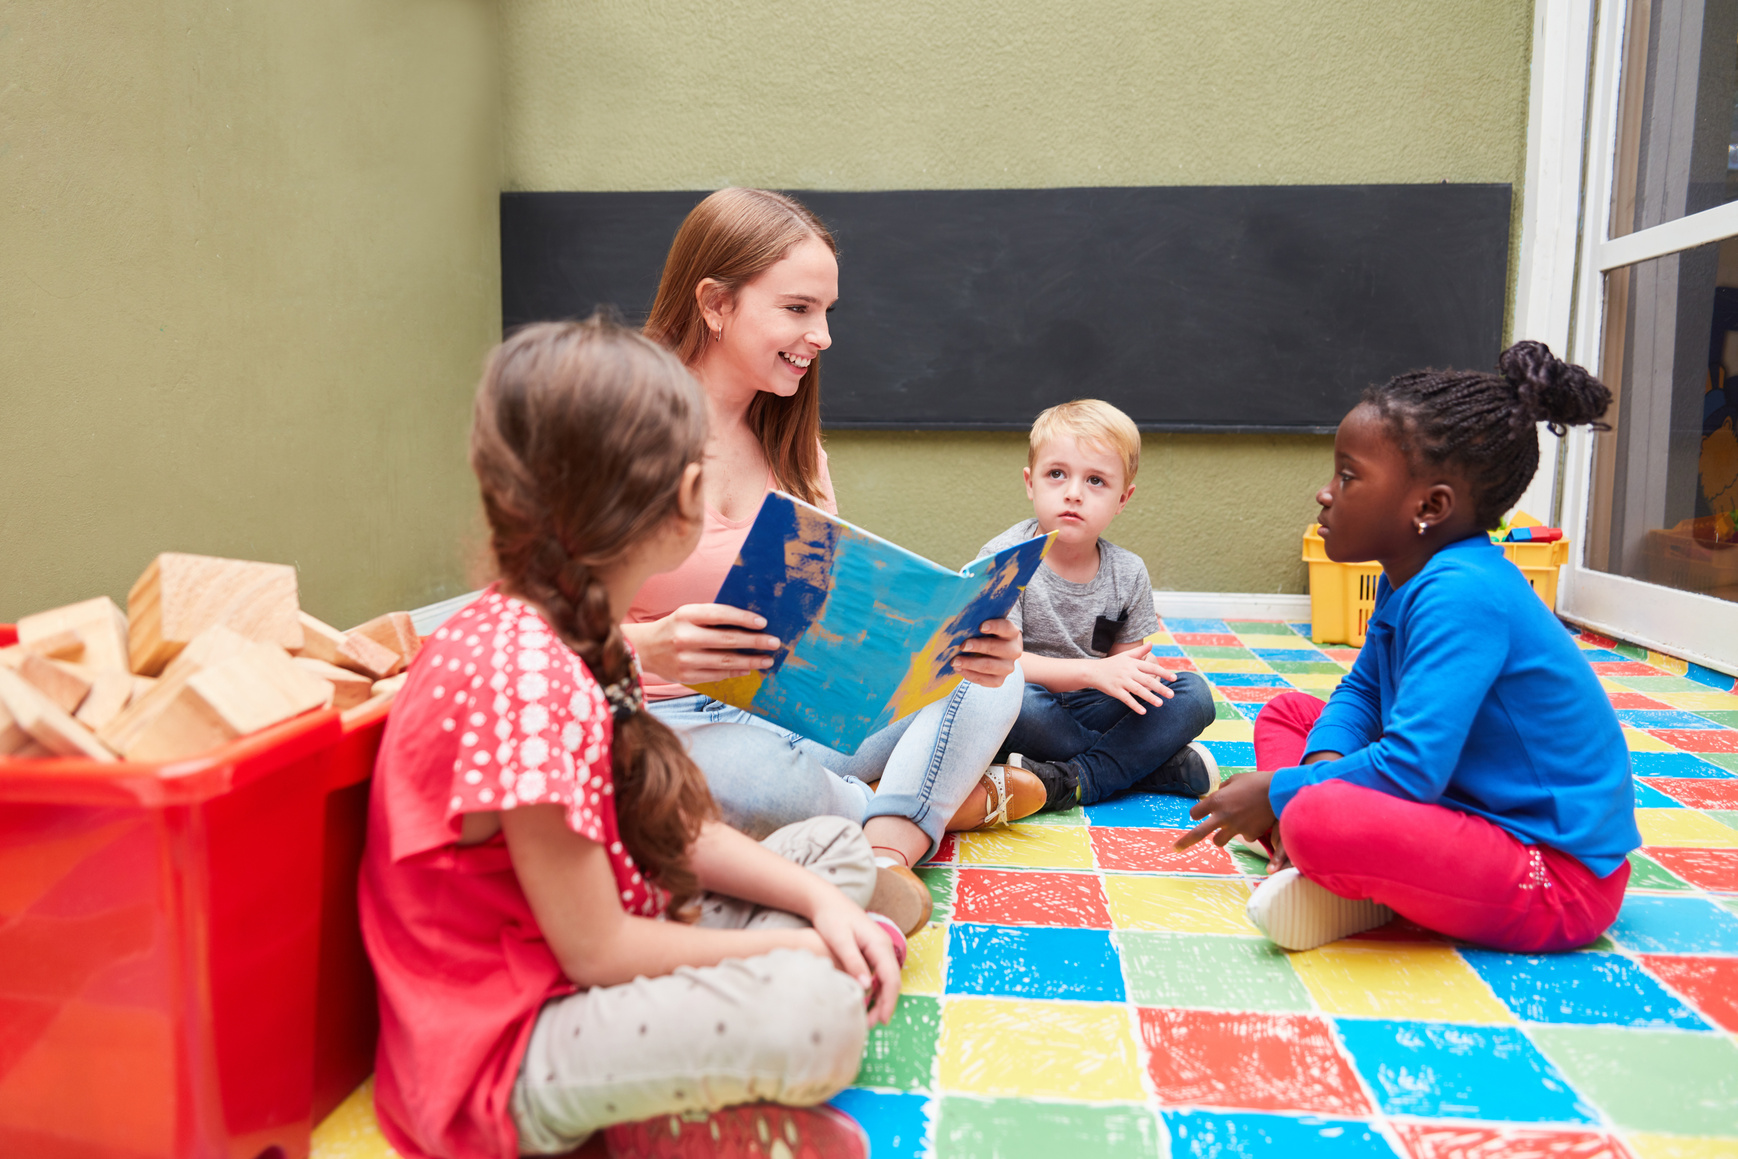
785 1027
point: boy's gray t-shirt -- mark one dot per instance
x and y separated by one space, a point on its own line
1070 621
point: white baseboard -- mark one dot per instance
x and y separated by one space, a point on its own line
1232 606
428 618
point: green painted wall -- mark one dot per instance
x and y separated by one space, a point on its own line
902 94
248 275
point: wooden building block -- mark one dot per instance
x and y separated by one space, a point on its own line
394 630
98 622
46 723
320 640
12 735
244 693
63 645
142 685
181 595
361 654
214 644
348 688
109 693
391 685
63 684
32 751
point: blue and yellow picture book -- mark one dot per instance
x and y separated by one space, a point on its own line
868 630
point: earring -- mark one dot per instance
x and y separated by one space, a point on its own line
718 334
1422 527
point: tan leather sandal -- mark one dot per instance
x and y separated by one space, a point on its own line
901 897
1010 793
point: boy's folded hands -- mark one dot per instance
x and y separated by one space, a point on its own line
1133 677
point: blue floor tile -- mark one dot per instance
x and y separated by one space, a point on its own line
1302 629
1674 765
1033 962
1719 681
1450 1071
1168 651
1675 925
1648 797
1184 624
1663 718
1246 680
1592 989
1237 753
898 1125
1211 1135
1296 655
1601 656
1142 811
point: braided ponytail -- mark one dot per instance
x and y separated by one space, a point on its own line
579 438
1486 424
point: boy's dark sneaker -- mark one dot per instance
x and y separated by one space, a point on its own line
1061 783
1191 772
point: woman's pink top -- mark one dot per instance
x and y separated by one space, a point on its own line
497 714
701 575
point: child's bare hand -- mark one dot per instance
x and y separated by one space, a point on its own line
1238 808
861 948
1134 678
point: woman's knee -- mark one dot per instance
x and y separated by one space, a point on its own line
760 783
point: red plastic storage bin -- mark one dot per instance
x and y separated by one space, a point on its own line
181 970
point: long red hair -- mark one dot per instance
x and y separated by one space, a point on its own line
732 237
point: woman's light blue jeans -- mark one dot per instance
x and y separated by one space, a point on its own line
765 777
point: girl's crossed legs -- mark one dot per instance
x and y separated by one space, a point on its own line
785 1026
1447 870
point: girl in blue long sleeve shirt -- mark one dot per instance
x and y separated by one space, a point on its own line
1469 773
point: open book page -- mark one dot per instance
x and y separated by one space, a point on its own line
870 630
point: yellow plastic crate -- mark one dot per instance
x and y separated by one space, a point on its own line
1343 595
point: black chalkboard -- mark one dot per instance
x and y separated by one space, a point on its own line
1192 308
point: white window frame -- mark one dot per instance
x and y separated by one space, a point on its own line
1560 300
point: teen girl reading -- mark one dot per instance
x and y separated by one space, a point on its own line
566 939
1469 772
743 303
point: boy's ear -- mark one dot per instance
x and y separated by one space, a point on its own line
1026 474
1126 496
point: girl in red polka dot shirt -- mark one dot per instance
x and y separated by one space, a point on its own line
567 939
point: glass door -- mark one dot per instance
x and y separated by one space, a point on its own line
1656 497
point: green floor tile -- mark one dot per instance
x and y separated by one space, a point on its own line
1646 873
1302 667
939 878
1729 902
1653 685
1223 710
1725 817
1676 1082
1726 718
1727 761
1248 860
1205 970
1215 653
1074 816
1630 651
1260 627
901 1054
1021 1129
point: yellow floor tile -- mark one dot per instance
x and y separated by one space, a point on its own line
1159 639
1034 846
1670 665
1688 828
1317 683
1641 742
1680 1147
1209 664
1241 730
1611 685
1397 980
1709 701
351 1131
1181 904
925 953
1057 1050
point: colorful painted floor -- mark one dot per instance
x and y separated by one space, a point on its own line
1085 991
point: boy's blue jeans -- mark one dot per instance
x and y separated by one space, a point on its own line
1109 745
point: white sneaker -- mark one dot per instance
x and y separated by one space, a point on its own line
1297 914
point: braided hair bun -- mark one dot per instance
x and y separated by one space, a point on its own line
1551 391
1485 425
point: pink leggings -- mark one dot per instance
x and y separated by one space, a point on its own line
1444 869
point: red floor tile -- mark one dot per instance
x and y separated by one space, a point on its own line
1250 695
1260 1062
1711 984
1626 668
1206 640
1004 898
1699 740
945 850
1715 869
1596 640
1149 851
1442 1141
1700 792
1636 700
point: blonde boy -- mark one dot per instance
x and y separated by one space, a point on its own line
1100 714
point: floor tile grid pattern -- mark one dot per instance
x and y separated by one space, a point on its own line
1085 990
